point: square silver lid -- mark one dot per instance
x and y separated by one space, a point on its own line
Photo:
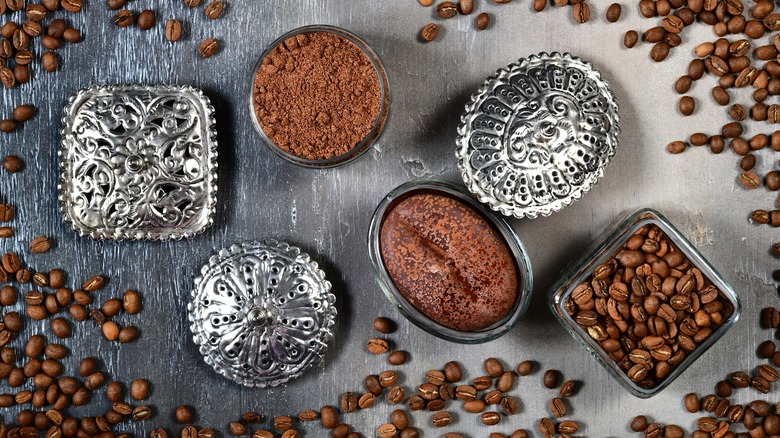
138 162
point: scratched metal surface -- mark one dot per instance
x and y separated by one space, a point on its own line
327 212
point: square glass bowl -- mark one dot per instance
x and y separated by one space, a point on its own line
607 246
505 232
138 162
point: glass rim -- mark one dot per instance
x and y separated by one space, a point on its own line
508 235
384 99
604 247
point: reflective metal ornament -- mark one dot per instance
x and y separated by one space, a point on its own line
138 162
262 313
537 135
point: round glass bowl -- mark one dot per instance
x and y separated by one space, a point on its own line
564 306
511 242
537 135
378 124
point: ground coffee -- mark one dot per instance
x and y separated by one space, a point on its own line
317 95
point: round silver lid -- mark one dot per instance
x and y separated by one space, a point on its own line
537 135
262 313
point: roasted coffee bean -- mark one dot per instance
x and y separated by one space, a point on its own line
349 402
377 346
749 180
581 12
131 302
442 419
124 18
452 372
687 105
282 422
557 407
493 367
767 348
613 12
683 84
308 415
61 328
372 384
506 382
721 97
388 378
723 389
740 379
770 316
214 9
397 357
208 47
147 19
139 389
630 39
416 403
525 368
366 400
490 418
639 423
446 9
465 392
659 52
183 414
384 325
550 379
676 147
329 417
466 7
760 384
50 61
482 21
429 32
546 428
691 402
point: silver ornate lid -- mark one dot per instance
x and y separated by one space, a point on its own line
537 135
262 313
138 162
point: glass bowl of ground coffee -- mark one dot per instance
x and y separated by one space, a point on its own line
319 97
644 302
450 266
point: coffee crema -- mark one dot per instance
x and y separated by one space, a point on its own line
449 262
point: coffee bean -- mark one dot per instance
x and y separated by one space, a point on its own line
94 380
550 379
124 18
308 415
387 431
721 96
147 19
493 367
465 392
767 348
452 372
384 325
613 12
192 3
581 12
349 402
446 9
749 180
760 384
630 39
139 389
397 357
72 36
72 5
770 316
429 32
683 84
416 403
22 113
329 417
399 419
13 164
490 418
659 52
366 400
546 428
50 62
377 346
493 397
768 372
116 4
7 125
442 419
723 389
691 402
557 407
466 7
388 378
672 24
282 423
506 381
687 105
483 21
208 47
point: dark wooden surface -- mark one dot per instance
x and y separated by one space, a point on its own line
327 212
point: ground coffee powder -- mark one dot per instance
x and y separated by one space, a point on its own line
317 95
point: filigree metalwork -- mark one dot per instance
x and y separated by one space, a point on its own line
138 162
262 313
537 135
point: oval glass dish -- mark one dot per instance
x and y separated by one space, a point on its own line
511 242
378 123
567 304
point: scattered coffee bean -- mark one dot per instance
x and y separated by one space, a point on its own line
446 9
208 47
613 12
147 19
13 164
483 21
124 18
173 30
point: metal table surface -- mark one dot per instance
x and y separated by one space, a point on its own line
327 212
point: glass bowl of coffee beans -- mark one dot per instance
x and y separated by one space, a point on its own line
319 96
644 302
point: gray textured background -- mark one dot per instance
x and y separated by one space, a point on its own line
327 212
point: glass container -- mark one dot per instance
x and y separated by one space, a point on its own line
510 238
605 248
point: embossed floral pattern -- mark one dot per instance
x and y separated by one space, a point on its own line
138 162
